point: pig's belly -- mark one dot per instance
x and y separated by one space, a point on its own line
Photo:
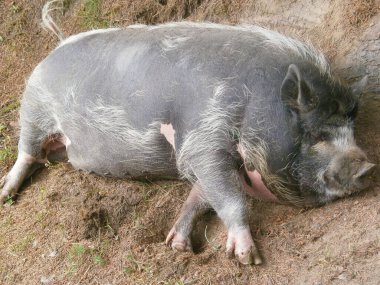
111 154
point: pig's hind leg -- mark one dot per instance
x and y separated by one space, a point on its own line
34 148
194 206
23 168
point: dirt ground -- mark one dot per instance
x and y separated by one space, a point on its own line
70 227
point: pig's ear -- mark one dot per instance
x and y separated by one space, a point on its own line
296 93
358 87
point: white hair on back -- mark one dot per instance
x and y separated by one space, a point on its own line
80 36
172 42
271 38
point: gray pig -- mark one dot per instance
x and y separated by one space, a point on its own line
233 109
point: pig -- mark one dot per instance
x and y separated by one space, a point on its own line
235 110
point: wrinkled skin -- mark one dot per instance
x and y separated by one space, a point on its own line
234 111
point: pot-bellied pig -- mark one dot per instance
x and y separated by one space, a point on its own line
229 108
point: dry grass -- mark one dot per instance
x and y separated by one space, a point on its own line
69 227
359 12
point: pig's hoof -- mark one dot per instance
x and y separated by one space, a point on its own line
2 200
240 244
178 241
7 191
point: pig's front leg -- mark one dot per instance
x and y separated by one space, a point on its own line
195 205
219 179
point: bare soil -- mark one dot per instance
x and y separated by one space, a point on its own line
70 227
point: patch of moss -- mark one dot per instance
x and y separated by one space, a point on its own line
10 107
92 15
21 245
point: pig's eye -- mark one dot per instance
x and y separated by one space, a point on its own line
329 109
352 113
319 137
324 137
333 107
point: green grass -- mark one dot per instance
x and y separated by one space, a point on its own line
92 15
9 201
75 258
7 222
7 153
15 8
43 193
77 250
98 259
10 107
20 246
79 254
133 265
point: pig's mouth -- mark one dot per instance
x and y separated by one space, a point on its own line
340 192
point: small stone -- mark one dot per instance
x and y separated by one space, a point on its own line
46 279
340 269
14 124
188 281
52 253
316 226
344 276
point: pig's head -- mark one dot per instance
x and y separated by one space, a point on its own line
329 164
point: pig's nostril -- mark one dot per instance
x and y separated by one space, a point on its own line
371 170
365 175
365 171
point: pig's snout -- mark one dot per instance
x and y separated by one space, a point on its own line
363 177
348 173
